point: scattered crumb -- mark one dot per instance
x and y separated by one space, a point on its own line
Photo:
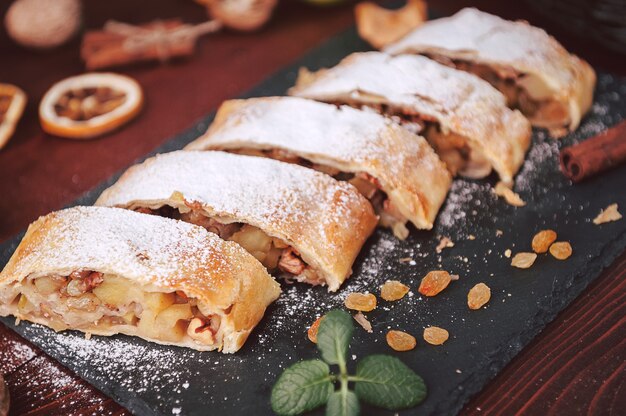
608 214
471 237
507 253
362 320
499 233
445 242
509 196
405 260
458 371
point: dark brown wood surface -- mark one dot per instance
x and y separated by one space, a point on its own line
576 366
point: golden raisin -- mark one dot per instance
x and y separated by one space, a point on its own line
542 241
400 341
312 332
561 250
523 260
435 335
364 302
393 290
434 282
478 296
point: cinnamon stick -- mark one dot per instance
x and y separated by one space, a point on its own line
595 155
120 43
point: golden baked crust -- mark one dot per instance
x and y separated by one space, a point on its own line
478 37
412 85
326 221
350 140
156 254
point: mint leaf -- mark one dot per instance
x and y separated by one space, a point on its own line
342 404
385 381
302 387
334 335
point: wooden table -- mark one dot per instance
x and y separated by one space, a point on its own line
577 364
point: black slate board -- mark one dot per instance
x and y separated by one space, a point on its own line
152 379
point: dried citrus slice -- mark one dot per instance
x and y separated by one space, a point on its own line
12 103
89 105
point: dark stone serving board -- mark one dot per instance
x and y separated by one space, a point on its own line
152 379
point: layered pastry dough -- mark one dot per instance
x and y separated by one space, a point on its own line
462 116
302 222
553 88
396 170
106 271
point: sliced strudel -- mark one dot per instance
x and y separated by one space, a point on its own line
553 88
299 221
462 116
396 170
106 271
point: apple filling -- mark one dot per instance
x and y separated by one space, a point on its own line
272 252
367 185
91 301
453 149
525 92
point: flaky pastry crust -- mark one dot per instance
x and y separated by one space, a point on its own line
152 254
326 221
346 139
477 37
409 86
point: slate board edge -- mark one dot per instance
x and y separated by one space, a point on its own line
276 84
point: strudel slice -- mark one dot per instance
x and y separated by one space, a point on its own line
106 271
299 221
462 116
553 88
395 169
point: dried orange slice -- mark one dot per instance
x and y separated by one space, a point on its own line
90 105
12 103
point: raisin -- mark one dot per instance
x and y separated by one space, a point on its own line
523 260
542 241
400 341
478 296
393 290
435 335
312 332
364 302
561 250
434 282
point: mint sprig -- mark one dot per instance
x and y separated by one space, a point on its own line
380 380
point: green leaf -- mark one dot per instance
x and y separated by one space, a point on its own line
302 387
385 381
334 335
343 404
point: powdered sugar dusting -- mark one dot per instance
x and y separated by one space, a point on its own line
147 249
312 210
342 137
489 38
458 101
